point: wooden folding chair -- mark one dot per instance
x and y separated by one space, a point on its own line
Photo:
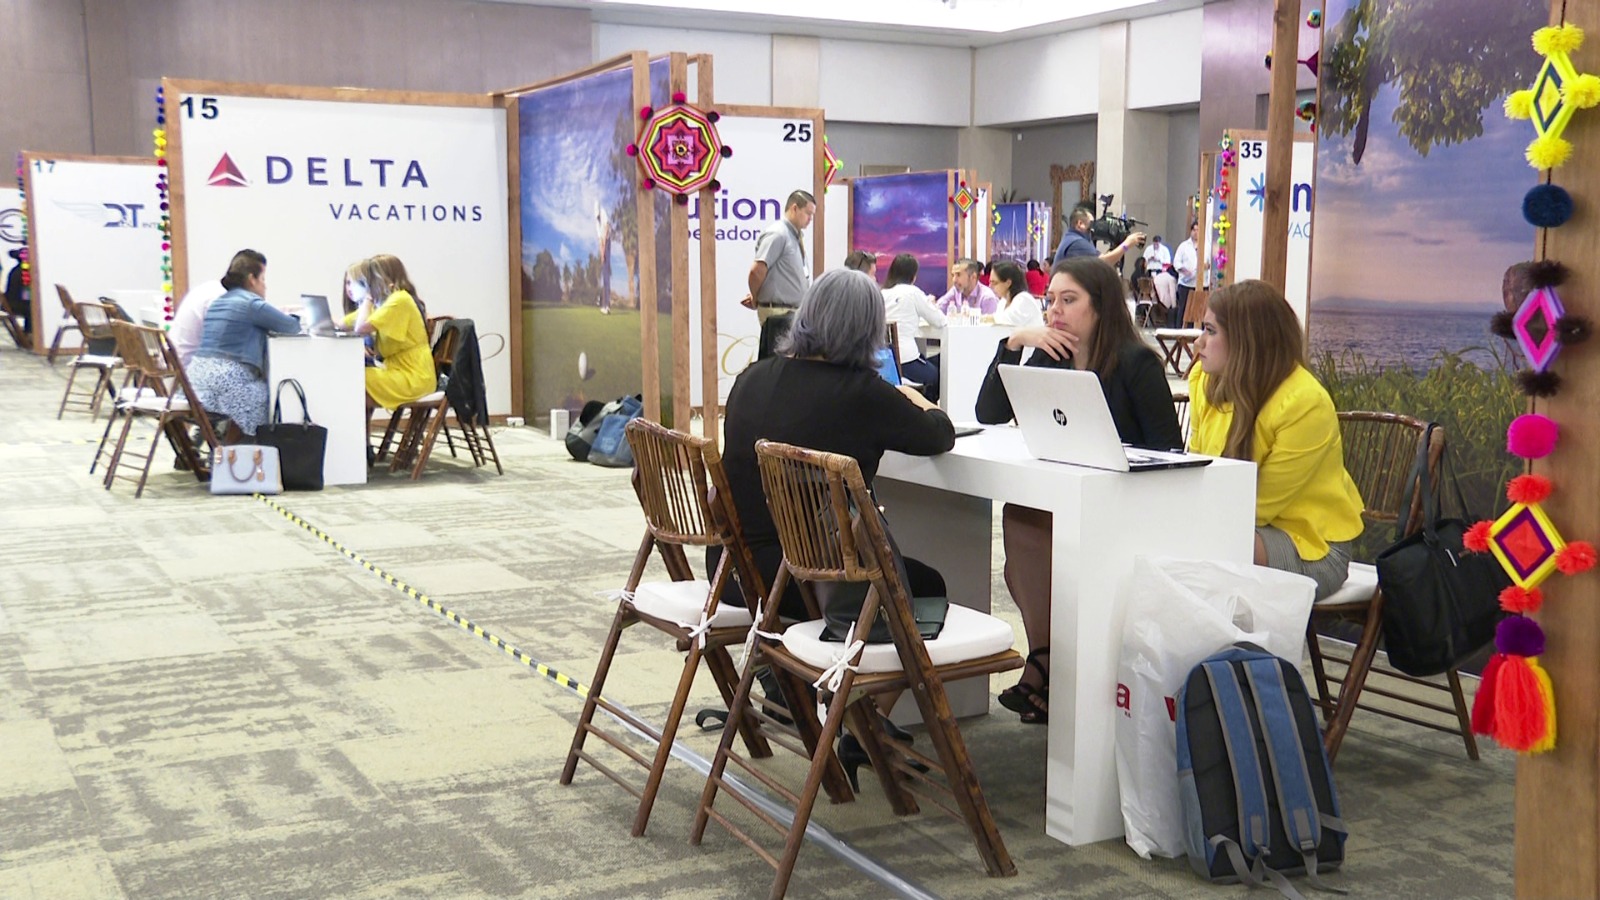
831 532
1180 404
11 320
69 322
170 410
1145 297
1380 449
418 423
94 321
684 493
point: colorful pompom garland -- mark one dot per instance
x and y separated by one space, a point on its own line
1516 704
159 137
22 252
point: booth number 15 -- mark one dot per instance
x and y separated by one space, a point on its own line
204 107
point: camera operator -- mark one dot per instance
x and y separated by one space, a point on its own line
1078 242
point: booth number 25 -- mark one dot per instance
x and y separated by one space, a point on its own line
204 107
797 132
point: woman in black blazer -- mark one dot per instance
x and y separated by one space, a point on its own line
1087 327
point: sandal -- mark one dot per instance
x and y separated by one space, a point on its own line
1038 711
1019 697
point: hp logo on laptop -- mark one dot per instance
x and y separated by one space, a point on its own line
1059 416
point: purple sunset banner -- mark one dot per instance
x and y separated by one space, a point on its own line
897 214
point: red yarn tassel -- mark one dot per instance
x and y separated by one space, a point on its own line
1528 489
1483 704
1520 718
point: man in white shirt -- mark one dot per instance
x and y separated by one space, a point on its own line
1156 256
188 323
1187 263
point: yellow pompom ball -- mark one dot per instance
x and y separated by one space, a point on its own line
166 286
156 133
1557 39
1548 152
1583 92
1519 105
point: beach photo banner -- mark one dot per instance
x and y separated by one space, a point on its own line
1418 199
318 179
775 152
911 213
94 229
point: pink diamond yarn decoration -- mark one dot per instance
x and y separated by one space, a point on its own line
1535 327
679 150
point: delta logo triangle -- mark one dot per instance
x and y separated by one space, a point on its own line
226 174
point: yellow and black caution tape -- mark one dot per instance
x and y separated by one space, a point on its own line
467 624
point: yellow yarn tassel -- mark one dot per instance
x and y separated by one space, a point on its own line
1557 39
1519 105
1548 693
1583 92
1548 152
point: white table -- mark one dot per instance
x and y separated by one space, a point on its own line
331 372
965 352
941 511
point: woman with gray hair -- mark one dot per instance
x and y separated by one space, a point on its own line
823 391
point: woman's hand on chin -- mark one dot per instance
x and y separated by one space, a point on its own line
1058 344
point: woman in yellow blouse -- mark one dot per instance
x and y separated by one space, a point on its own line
1252 397
406 371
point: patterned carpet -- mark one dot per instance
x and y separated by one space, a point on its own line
200 698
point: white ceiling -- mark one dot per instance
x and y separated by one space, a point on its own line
960 23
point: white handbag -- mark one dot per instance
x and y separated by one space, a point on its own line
245 469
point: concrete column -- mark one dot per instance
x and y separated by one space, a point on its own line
1131 145
986 152
796 71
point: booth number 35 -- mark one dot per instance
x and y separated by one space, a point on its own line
204 107
798 132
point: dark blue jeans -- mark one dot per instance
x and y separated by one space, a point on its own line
925 372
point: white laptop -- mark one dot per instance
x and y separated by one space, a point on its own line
1064 418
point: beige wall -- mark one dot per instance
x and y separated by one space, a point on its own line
84 72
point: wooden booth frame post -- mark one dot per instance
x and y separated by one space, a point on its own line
30 159
174 88
711 361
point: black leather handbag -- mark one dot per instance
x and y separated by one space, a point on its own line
1441 604
300 445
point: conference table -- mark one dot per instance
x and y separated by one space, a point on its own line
332 373
941 511
965 351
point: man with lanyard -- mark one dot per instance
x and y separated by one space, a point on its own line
1078 242
1187 262
779 277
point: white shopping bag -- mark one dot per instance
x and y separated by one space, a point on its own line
1183 611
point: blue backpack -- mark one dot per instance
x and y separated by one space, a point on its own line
611 448
1257 791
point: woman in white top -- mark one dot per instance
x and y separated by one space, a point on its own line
1018 308
907 307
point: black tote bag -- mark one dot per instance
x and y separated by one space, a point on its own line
1441 604
300 446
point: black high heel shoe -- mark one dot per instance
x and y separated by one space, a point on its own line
853 756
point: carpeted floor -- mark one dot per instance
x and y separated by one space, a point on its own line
199 697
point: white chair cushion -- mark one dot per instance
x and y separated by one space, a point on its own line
967 634
1178 332
1357 588
683 601
92 360
155 404
434 397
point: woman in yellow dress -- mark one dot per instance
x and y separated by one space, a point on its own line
406 370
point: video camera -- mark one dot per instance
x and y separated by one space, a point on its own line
1111 229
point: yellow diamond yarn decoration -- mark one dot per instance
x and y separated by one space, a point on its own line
1558 92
